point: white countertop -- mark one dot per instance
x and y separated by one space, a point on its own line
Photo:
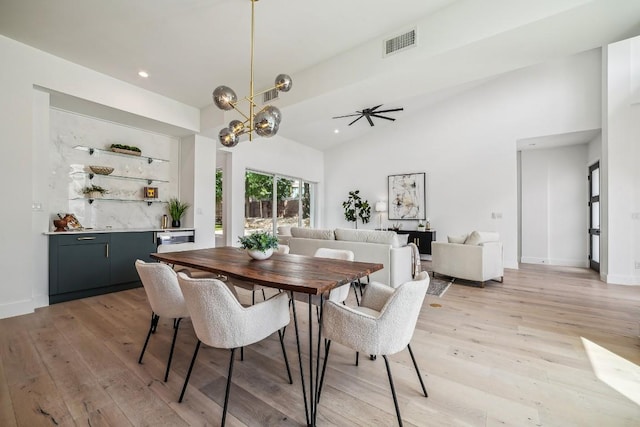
116 230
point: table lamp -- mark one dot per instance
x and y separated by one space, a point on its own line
380 207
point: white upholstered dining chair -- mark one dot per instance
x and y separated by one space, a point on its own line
220 321
165 298
338 294
383 324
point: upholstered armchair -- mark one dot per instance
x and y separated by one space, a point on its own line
476 257
383 324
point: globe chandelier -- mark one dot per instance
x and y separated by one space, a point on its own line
266 121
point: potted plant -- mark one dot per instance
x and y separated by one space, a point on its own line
259 245
94 191
355 207
126 149
177 210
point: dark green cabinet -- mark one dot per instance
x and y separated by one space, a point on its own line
125 249
82 265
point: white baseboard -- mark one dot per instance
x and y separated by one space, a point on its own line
556 262
621 280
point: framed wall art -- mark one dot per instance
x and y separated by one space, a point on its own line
407 196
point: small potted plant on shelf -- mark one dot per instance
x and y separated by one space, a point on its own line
259 245
94 191
177 210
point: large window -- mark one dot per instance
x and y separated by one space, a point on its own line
291 197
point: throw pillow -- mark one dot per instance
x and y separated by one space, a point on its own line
284 230
403 239
479 237
457 239
367 236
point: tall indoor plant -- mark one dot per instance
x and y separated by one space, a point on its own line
176 211
355 207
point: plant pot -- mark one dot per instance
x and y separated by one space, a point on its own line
259 255
175 223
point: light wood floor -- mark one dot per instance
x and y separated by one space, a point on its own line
509 354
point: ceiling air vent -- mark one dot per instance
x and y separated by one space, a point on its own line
270 95
399 43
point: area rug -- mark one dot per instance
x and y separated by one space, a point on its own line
438 286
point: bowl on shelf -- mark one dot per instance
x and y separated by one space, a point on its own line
101 170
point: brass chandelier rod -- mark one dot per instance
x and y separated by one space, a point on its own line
266 121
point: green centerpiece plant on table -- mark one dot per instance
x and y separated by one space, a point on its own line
260 245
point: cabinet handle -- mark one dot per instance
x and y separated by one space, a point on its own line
418 241
107 249
85 238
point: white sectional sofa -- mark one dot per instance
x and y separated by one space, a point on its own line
384 247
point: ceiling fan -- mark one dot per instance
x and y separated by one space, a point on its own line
369 113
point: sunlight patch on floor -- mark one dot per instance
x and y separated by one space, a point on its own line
615 371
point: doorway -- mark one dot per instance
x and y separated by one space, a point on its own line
594 216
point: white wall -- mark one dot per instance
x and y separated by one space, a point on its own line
621 157
274 155
467 144
23 130
554 206
198 187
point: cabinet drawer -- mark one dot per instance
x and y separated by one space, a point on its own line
82 239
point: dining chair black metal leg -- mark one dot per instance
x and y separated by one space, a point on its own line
324 367
176 325
393 390
264 297
226 393
415 365
295 328
154 324
253 297
186 380
357 357
355 291
242 354
284 353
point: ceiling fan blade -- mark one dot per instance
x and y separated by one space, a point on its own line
389 111
361 116
348 115
369 118
383 117
373 109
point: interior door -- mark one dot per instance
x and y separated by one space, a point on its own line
594 216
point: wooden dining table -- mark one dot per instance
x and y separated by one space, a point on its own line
290 273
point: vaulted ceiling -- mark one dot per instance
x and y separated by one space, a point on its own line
333 49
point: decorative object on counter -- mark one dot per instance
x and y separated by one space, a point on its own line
165 222
396 226
355 207
94 191
150 192
259 245
72 221
266 121
407 196
101 170
177 210
60 224
380 207
126 149
428 224
420 225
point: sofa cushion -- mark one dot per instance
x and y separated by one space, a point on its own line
457 239
312 233
403 239
368 236
480 237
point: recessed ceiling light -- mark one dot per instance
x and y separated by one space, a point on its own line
336 131
143 74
